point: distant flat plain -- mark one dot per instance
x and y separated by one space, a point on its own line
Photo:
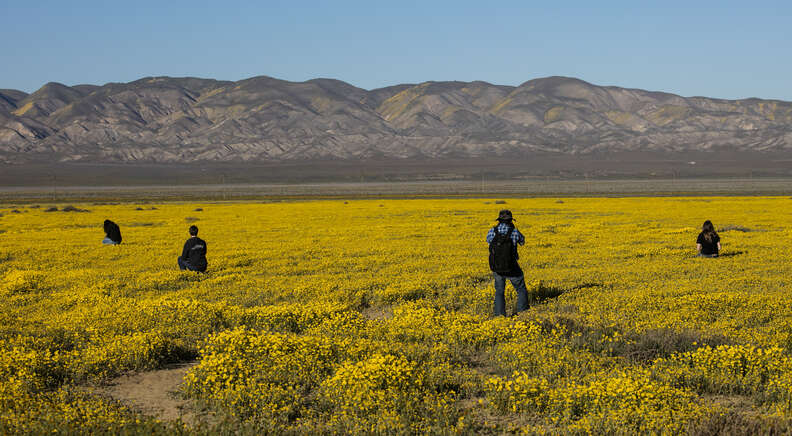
419 189
637 174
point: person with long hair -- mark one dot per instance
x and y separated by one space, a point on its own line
112 233
708 242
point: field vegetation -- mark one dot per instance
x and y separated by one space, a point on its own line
374 316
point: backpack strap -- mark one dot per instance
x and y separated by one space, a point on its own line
506 235
494 235
511 241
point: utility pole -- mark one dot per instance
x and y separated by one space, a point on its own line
54 180
222 185
588 188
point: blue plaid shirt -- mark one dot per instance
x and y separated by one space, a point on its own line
516 236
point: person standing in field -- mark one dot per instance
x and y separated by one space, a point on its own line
708 242
503 240
112 233
193 256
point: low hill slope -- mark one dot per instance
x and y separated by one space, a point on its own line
263 119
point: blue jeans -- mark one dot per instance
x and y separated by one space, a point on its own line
184 264
108 241
500 293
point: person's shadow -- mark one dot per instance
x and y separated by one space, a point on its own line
731 253
544 293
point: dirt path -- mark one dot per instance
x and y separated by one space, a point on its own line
154 393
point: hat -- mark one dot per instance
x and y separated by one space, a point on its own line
505 215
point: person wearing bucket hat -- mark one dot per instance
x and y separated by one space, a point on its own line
503 240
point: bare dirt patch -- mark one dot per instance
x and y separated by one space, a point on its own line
377 313
155 393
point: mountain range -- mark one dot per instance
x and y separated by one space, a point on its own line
263 119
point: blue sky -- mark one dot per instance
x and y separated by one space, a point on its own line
727 49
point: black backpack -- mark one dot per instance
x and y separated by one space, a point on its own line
502 252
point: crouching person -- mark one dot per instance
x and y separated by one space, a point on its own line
112 233
708 242
193 256
503 240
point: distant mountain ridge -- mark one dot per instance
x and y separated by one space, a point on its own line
263 119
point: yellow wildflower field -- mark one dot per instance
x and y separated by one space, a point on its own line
375 316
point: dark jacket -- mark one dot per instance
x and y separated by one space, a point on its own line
194 252
112 231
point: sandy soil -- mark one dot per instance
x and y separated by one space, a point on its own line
154 393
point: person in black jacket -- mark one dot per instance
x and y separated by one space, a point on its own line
112 233
708 241
193 256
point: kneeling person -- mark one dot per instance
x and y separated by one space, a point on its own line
112 233
503 240
708 242
193 256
